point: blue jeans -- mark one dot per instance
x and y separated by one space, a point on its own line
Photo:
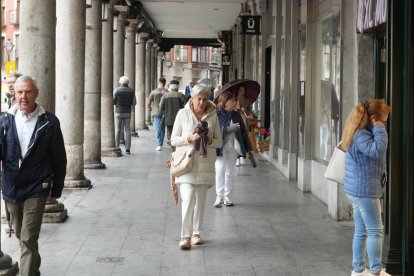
159 130
368 235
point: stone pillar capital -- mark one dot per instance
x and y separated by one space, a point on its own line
133 21
143 37
132 26
155 45
121 9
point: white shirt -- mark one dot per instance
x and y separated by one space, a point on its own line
25 126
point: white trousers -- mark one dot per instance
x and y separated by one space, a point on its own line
225 170
193 202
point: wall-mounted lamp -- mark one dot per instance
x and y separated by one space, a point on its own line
105 11
88 3
140 24
115 27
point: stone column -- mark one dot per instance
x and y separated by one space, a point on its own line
70 80
140 82
107 105
148 81
39 28
159 64
119 45
154 66
130 64
93 61
156 73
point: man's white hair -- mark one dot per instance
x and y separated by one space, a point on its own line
200 88
25 78
124 80
173 87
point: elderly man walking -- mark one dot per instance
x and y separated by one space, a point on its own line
170 104
34 167
11 79
124 99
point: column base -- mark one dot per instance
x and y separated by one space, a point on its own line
145 127
94 166
134 134
148 124
7 266
111 152
55 212
78 184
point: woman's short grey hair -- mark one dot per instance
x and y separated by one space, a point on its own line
200 88
123 80
25 78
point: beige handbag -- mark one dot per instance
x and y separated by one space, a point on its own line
336 167
181 161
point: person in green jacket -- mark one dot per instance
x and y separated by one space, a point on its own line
170 104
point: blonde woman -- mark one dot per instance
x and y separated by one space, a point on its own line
235 143
365 140
195 184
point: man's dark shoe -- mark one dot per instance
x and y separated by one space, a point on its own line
128 151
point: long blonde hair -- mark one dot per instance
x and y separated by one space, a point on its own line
359 118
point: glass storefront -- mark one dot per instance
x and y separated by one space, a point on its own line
326 84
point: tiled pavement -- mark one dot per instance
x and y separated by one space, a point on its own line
129 216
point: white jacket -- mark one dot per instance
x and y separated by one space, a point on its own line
203 172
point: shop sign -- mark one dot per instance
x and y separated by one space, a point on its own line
371 13
250 24
10 67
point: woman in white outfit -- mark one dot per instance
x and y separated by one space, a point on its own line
235 143
194 184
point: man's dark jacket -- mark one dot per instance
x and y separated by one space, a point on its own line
123 99
42 170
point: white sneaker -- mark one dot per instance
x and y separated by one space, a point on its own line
227 201
363 273
218 202
238 162
158 148
242 161
382 273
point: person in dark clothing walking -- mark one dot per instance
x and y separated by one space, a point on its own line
124 99
170 104
33 158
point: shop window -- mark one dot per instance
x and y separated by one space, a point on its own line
194 55
183 53
326 86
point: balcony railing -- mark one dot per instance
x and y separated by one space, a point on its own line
14 17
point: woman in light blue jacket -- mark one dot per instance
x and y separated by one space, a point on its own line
365 141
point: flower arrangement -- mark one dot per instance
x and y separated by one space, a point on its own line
261 134
262 137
